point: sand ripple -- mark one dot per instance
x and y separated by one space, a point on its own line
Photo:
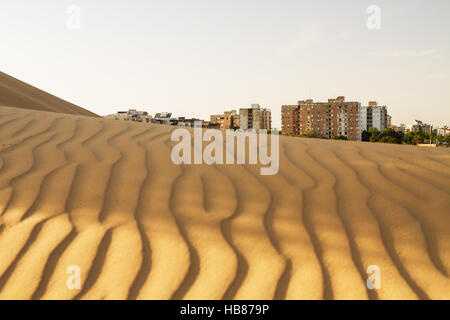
103 195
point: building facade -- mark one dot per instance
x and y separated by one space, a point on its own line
443 131
228 120
373 116
290 121
163 118
420 126
131 115
266 119
322 119
255 118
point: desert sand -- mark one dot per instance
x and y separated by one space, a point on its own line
104 195
15 93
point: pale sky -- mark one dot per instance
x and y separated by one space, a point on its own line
197 58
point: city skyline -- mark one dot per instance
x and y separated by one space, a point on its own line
202 58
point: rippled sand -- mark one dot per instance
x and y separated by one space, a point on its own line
105 196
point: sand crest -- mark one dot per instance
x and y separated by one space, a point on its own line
16 93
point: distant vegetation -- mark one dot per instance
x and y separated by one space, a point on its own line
422 137
389 136
339 137
410 137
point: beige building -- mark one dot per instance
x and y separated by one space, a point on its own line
389 121
228 120
420 126
373 116
266 118
131 115
290 119
255 118
322 119
443 131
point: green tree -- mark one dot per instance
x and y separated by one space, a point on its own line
339 137
408 137
307 135
388 139
374 134
389 135
365 136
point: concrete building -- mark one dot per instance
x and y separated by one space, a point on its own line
322 119
389 121
255 118
373 116
399 128
192 122
266 118
420 126
166 118
290 119
162 118
141 116
131 115
443 131
228 120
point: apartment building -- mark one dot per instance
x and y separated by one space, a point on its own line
228 120
255 118
373 116
290 119
131 115
322 119
163 118
420 126
443 131
266 118
166 118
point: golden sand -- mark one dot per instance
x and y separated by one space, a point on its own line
15 93
104 195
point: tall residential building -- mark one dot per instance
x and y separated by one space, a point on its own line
228 120
389 121
266 118
420 126
373 116
255 118
322 119
290 119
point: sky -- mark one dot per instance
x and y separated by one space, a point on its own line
201 57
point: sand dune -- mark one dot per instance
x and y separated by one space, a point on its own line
15 93
103 195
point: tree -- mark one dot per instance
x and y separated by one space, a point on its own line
389 135
307 134
374 134
365 136
408 137
388 139
339 137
